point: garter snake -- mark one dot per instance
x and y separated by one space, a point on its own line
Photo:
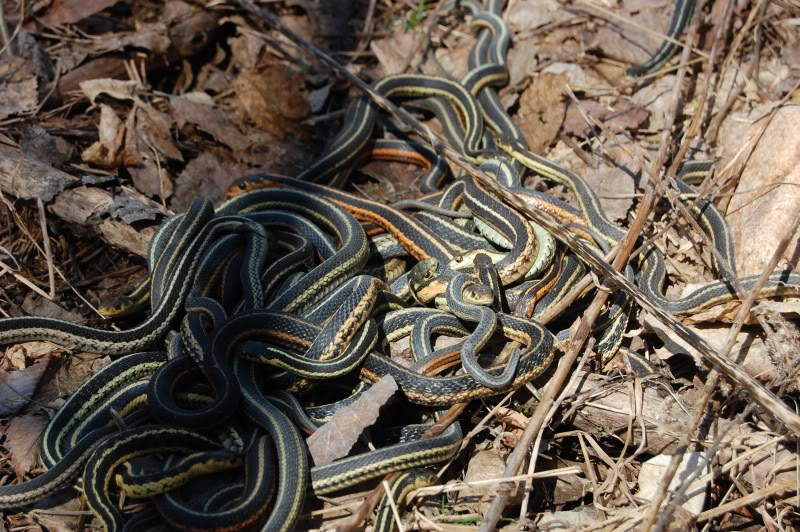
182 261
361 115
399 489
414 237
680 18
14 330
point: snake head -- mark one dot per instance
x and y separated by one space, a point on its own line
478 294
424 280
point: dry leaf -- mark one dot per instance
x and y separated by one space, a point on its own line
70 11
615 188
115 88
51 150
21 355
512 418
22 441
483 465
750 351
107 151
453 59
395 53
66 517
588 516
541 110
522 64
629 43
18 86
655 97
70 374
43 307
216 122
526 15
335 439
148 135
767 197
246 50
622 116
153 37
274 98
208 175
17 387
579 78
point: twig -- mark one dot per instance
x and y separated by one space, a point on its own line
756 496
716 122
653 512
388 489
33 241
553 409
7 40
51 276
4 269
461 486
367 31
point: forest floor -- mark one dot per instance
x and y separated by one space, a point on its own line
115 115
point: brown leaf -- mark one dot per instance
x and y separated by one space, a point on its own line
750 351
512 418
453 59
767 196
656 98
117 89
199 109
274 98
22 441
18 86
335 439
613 184
628 42
51 150
17 387
148 135
246 50
527 15
21 355
107 151
209 175
622 116
541 110
395 53
153 37
69 11
43 307
69 375
484 465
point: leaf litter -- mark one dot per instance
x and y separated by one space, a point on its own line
124 115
